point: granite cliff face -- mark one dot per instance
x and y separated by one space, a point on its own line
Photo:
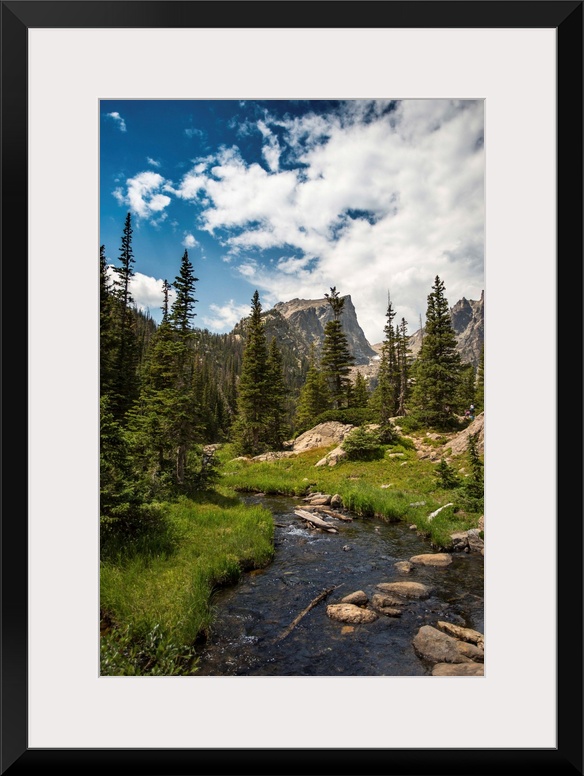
308 317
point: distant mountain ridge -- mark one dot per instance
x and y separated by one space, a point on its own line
299 323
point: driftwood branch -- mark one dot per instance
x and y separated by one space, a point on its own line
314 520
330 513
320 597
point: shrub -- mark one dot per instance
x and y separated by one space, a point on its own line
446 476
363 445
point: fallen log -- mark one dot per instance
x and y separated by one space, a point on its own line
314 520
320 597
332 513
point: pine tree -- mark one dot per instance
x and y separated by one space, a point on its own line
166 420
360 396
336 358
249 429
125 360
386 399
314 396
276 430
185 408
437 372
404 364
184 303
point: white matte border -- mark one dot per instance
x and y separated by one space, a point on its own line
514 705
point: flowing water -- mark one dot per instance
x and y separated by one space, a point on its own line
252 616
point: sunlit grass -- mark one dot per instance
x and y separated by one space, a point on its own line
142 593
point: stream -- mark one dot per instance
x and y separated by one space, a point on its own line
251 616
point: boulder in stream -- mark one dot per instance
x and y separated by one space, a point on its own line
350 613
464 634
359 598
432 559
405 589
437 647
404 566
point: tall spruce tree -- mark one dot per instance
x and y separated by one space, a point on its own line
277 429
185 408
336 359
360 393
184 303
167 417
386 397
250 427
438 366
314 396
125 360
404 363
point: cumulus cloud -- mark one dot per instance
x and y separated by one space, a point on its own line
372 197
225 316
385 197
119 120
153 162
189 241
143 194
146 291
271 147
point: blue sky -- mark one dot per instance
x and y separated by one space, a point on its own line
291 197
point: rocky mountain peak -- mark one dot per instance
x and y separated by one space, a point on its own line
309 317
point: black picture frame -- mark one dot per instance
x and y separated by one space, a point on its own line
17 18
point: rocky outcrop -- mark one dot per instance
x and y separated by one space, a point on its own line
323 435
332 458
459 444
308 317
468 541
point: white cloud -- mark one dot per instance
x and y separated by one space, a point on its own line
383 197
225 316
146 291
143 194
271 148
385 200
189 241
119 120
194 132
153 162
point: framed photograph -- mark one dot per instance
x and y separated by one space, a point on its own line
74 77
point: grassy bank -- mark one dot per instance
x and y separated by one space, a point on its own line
155 592
396 487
